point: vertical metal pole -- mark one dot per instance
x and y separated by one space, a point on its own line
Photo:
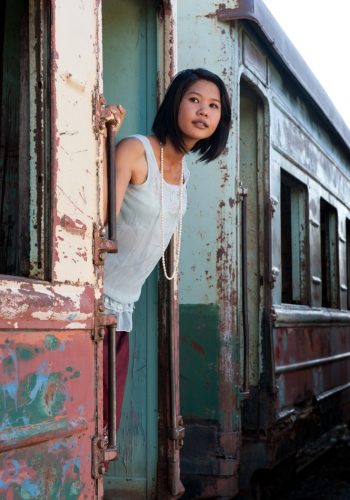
244 194
111 176
112 388
176 431
112 235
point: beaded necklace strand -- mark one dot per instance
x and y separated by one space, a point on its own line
179 226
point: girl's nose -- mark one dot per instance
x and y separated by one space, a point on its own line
203 111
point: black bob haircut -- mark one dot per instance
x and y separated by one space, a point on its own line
165 124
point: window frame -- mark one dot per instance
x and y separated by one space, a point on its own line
329 252
295 280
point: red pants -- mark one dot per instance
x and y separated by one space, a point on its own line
122 363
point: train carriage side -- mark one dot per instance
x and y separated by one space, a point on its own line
209 349
50 360
305 333
284 284
310 166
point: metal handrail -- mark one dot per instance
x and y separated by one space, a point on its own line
111 176
112 235
244 195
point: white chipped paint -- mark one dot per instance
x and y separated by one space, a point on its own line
75 325
53 316
228 4
232 4
10 309
66 291
76 79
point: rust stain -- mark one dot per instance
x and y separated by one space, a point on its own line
55 139
228 299
197 347
220 254
73 226
82 253
221 7
39 306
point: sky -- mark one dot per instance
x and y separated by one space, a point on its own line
320 30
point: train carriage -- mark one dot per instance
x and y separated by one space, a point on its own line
264 320
256 334
50 363
56 78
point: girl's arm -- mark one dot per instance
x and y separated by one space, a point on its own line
131 167
130 164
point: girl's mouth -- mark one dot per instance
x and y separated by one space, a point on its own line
200 124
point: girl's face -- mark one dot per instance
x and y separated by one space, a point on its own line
199 112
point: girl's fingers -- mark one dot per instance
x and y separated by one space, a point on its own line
116 114
119 113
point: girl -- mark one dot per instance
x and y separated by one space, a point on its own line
151 191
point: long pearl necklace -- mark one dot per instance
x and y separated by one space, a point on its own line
179 227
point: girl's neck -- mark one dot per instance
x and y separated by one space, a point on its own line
172 156
172 159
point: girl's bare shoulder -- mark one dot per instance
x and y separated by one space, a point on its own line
131 159
130 148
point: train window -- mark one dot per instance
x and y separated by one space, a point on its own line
25 138
294 240
329 255
348 260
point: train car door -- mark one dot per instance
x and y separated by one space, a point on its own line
254 270
130 77
49 361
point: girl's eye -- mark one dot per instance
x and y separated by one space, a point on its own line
215 106
194 99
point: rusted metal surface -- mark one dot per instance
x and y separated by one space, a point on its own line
76 82
50 361
170 41
256 12
33 305
293 394
174 430
51 437
209 291
47 413
40 181
310 361
244 194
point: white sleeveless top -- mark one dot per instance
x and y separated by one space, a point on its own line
139 238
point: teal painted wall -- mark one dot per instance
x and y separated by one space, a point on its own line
129 76
199 359
208 291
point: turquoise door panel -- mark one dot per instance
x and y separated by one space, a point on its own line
129 78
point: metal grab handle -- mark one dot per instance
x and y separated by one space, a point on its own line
244 195
112 389
111 176
112 236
